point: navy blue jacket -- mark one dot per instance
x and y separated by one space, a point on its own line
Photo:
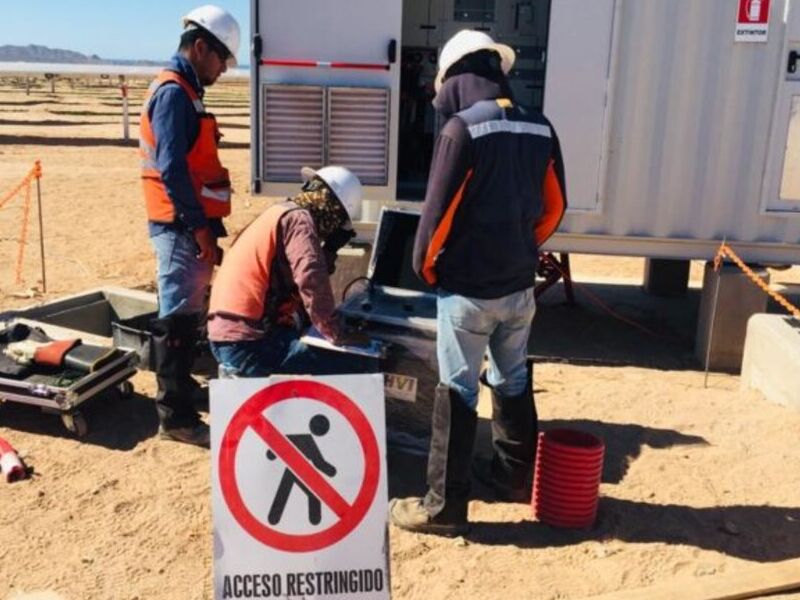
176 126
495 192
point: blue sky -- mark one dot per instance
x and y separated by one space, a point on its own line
132 29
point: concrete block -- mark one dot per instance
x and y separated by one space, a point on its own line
351 263
666 277
738 300
771 362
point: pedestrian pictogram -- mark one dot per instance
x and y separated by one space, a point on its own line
299 487
307 474
318 426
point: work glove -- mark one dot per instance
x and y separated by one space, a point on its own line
22 352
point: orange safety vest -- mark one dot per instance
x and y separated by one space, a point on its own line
242 283
210 180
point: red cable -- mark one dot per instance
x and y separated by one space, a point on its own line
604 306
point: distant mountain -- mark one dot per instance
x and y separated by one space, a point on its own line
43 54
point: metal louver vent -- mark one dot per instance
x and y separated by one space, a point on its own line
293 117
358 132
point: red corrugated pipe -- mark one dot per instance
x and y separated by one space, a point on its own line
10 463
569 465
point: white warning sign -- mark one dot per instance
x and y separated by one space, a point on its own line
299 488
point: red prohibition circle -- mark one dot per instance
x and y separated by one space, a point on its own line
248 414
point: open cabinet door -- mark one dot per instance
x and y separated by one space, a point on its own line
575 92
325 89
782 174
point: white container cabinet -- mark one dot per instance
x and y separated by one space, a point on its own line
675 134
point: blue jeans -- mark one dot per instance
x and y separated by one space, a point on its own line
467 326
183 279
281 351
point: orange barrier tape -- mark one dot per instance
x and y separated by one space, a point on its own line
34 173
23 238
725 250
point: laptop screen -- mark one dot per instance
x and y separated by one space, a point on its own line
392 255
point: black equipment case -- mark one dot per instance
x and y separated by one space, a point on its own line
396 307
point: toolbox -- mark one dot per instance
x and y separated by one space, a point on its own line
396 307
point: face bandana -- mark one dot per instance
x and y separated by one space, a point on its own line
326 211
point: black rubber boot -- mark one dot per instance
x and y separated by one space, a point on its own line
514 432
443 510
190 332
173 347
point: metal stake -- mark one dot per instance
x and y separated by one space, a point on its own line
713 324
123 88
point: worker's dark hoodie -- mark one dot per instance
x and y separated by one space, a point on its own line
495 191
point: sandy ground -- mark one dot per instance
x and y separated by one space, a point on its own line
697 481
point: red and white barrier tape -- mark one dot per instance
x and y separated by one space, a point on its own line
323 64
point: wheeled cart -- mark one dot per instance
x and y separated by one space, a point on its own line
90 317
55 394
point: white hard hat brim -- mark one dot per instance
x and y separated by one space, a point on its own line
507 58
307 173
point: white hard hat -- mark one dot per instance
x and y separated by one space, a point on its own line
219 23
466 42
344 184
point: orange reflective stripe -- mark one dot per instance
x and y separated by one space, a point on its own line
553 209
442 232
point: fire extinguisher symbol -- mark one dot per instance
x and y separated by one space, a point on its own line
754 11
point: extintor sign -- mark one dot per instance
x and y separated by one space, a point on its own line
752 21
